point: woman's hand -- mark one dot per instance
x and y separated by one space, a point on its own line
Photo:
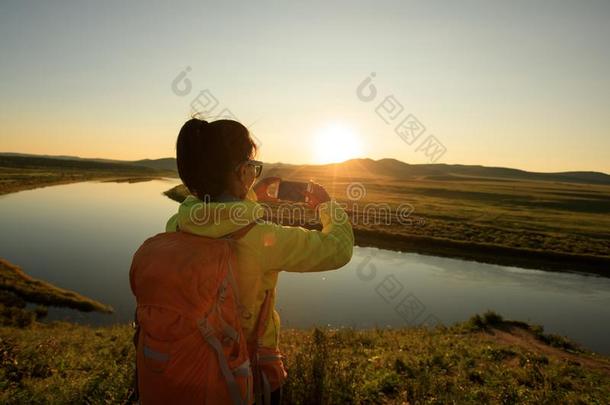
317 196
261 188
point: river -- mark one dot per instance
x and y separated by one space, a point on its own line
82 236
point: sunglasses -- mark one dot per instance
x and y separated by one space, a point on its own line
258 166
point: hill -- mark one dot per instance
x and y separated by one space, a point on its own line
556 221
168 164
388 168
22 172
398 170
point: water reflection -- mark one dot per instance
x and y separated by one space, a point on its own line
82 236
449 290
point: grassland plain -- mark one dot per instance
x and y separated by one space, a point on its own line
484 360
526 223
24 173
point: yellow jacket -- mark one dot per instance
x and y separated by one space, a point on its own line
268 248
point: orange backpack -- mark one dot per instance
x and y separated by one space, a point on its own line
190 347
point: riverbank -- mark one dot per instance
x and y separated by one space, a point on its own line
483 360
444 235
25 173
485 253
18 290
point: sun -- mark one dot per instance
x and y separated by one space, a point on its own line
336 142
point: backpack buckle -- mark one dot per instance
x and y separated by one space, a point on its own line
205 327
245 313
222 291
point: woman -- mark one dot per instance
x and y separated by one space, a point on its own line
215 164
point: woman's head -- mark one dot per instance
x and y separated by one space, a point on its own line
213 158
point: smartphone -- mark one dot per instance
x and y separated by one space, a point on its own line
291 190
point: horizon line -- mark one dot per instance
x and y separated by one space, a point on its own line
68 157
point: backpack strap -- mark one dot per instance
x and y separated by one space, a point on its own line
241 232
262 390
234 236
263 317
208 333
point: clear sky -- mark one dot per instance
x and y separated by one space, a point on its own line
514 83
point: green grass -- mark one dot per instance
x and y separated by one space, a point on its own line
461 364
65 363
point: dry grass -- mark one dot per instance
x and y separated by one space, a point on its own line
486 361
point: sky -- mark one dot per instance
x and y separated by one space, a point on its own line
520 84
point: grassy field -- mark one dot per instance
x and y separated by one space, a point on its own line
483 360
534 222
23 173
526 220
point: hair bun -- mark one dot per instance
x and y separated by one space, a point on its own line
202 125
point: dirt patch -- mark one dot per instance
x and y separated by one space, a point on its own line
525 339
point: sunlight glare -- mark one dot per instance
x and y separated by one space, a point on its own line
336 142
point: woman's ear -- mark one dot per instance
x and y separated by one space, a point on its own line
243 173
246 176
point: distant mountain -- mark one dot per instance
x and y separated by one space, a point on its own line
391 168
14 161
62 157
159 164
164 164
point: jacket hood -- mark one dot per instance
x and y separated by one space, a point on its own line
214 219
